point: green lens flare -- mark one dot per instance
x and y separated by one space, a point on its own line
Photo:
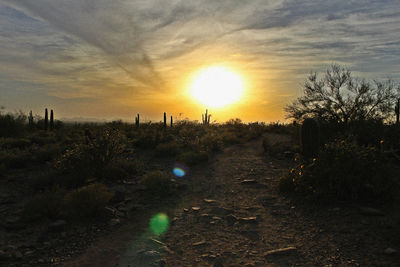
159 223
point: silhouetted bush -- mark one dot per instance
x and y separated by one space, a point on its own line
85 160
12 125
345 171
86 202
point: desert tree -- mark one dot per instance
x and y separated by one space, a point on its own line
337 96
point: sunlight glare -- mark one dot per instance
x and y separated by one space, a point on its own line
217 86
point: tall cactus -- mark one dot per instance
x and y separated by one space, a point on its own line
397 111
30 119
310 138
51 120
172 121
137 120
206 118
165 120
46 119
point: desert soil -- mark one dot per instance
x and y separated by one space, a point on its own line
232 214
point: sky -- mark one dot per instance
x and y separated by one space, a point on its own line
101 59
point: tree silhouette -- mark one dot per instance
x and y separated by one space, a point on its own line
340 97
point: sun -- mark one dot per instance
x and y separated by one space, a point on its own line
216 86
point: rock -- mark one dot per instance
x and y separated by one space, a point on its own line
210 201
390 251
185 210
167 249
248 220
371 211
249 181
57 226
281 251
195 208
200 243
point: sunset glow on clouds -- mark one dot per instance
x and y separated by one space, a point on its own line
112 59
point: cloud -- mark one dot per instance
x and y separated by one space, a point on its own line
100 48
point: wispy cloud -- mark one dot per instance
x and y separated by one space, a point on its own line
95 49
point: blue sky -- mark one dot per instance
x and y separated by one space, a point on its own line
112 59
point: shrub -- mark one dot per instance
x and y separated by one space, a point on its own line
211 142
12 125
345 171
158 182
86 202
85 160
46 205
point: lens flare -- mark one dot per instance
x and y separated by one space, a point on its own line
179 170
159 223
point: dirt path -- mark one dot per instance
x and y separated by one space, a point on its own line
233 215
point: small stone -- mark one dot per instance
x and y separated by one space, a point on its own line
248 220
185 210
200 243
57 226
195 208
281 251
210 201
390 251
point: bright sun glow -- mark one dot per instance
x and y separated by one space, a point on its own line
217 87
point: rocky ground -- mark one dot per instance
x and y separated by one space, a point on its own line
231 214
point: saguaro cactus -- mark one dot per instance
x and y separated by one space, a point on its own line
30 119
172 121
137 120
51 120
165 120
206 118
310 138
46 119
